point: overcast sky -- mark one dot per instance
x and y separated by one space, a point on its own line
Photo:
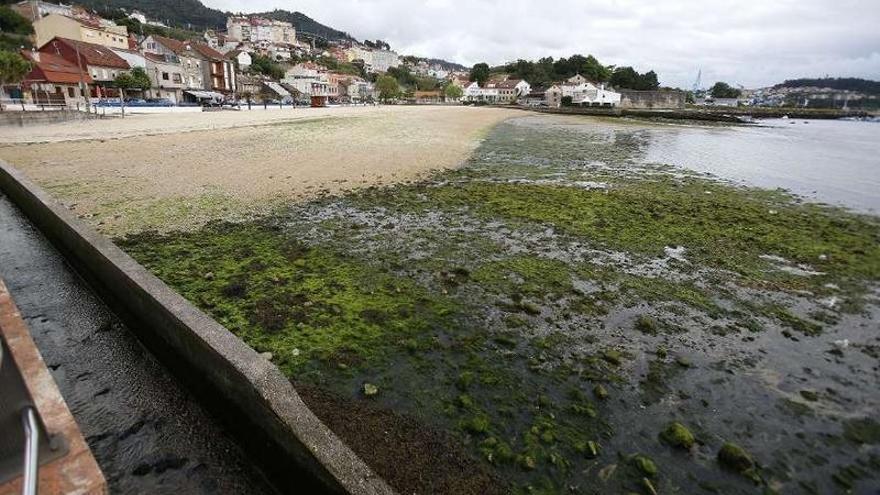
749 42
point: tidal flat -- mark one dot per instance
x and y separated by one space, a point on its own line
560 315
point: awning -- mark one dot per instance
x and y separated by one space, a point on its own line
206 94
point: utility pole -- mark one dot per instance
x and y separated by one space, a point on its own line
83 87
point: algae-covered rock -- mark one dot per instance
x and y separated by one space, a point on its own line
809 395
862 431
734 457
600 392
370 389
644 464
647 325
677 435
590 449
613 356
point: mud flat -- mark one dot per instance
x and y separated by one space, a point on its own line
178 171
564 317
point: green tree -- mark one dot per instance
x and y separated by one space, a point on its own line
403 75
480 73
453 92
628 78
724 90
136 79
13 22
265 66
426 83
13 68
388 88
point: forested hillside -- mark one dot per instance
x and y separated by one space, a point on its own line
192 14
838 83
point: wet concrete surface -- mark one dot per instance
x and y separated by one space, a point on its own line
146 432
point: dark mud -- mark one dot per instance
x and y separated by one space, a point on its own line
556 305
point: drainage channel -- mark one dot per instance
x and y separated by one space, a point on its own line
145 430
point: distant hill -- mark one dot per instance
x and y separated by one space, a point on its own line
445 64
840 84
192 14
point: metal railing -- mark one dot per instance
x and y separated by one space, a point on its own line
31 451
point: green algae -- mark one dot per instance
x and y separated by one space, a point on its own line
303 305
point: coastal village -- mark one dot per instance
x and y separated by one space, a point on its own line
78 58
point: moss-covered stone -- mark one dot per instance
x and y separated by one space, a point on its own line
862 431
677 435
645 465
735 458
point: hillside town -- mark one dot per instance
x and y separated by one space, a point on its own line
79 59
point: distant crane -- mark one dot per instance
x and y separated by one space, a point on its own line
698 84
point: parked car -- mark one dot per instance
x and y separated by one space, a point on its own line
160 102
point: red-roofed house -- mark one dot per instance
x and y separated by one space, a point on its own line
98 61
53 80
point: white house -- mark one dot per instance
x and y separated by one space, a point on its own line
241 58
510 90
309 79
588 94
474 93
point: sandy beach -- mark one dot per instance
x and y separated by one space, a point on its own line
178 171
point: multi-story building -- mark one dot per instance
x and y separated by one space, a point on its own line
166 76
219 70
510 90
86 29
311 80
98 61
374 60
35 9
474 93
258 29
191 62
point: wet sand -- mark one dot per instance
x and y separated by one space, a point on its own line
178 171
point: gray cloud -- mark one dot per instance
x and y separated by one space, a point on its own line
750 42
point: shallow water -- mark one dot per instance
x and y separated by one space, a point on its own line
832 161
146 432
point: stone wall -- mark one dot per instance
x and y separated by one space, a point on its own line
652 99
20 119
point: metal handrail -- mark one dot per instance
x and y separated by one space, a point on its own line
31 451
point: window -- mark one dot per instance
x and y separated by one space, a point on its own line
70 92
177 78
164 76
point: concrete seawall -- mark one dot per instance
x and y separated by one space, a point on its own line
23 119
260 406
